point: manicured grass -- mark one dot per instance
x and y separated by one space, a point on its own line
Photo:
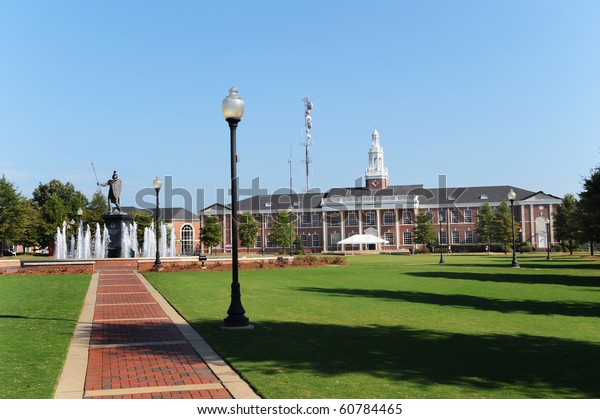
406 327
38 314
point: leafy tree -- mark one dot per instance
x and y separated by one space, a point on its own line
34 225
52 213
211 234
485 222
424 230
589 208
95 209
248 229
280 233
72 199
565 221
12 213
502 226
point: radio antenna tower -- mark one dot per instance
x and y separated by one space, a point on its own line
308 105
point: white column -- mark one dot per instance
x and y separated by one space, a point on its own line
398 215
360 226
325 231
377 217
342 229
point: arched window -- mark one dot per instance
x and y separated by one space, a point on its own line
187 240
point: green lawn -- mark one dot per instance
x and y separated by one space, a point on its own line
406 327
38 315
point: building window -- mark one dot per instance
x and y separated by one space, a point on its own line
454 214
407 237
406 217
335 238
258 241
315 240
455 237
468 216
304 218
443 237
269 221
187 240
304 239
269 242
334 219
388 218
352 219
315 220
469 237
389 237
441 216
370 218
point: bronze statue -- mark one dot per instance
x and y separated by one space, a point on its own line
114 191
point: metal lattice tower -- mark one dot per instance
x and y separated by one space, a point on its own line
308 105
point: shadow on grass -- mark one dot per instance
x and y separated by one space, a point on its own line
468 301
519 366
510 277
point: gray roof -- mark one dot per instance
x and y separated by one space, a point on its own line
167 214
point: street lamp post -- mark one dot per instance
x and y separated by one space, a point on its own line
291 212
157 264
441 248
511 197
548 238
233 110
80 214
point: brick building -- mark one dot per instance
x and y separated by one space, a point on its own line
388 212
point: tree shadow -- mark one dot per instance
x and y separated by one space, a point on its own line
524 366
467 301
512 277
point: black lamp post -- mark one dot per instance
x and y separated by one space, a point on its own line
511 197
548 238
441 247
233 110
157 264
291 213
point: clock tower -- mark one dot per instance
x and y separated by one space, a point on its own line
376 174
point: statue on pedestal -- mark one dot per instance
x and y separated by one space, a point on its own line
114 191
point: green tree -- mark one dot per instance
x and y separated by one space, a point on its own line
34 225
589 209
248 229
72 199
485 222
211 234
424 230
565 221
280 232
502 226
12 213
95 209
52 213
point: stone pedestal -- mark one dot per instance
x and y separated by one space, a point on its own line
114 224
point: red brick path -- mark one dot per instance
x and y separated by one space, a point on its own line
136 351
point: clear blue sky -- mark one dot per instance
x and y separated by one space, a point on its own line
484 92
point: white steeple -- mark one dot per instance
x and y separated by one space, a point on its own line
376 174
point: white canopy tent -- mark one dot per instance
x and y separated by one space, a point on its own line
360 239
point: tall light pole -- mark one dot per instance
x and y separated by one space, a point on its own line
80 214
548 238
511 197
233 110
441 248
290 213
157 264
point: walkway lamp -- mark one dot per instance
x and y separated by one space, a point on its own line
233 110
157 184
511 197
441 247
548 238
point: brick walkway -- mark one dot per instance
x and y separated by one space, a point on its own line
130 343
